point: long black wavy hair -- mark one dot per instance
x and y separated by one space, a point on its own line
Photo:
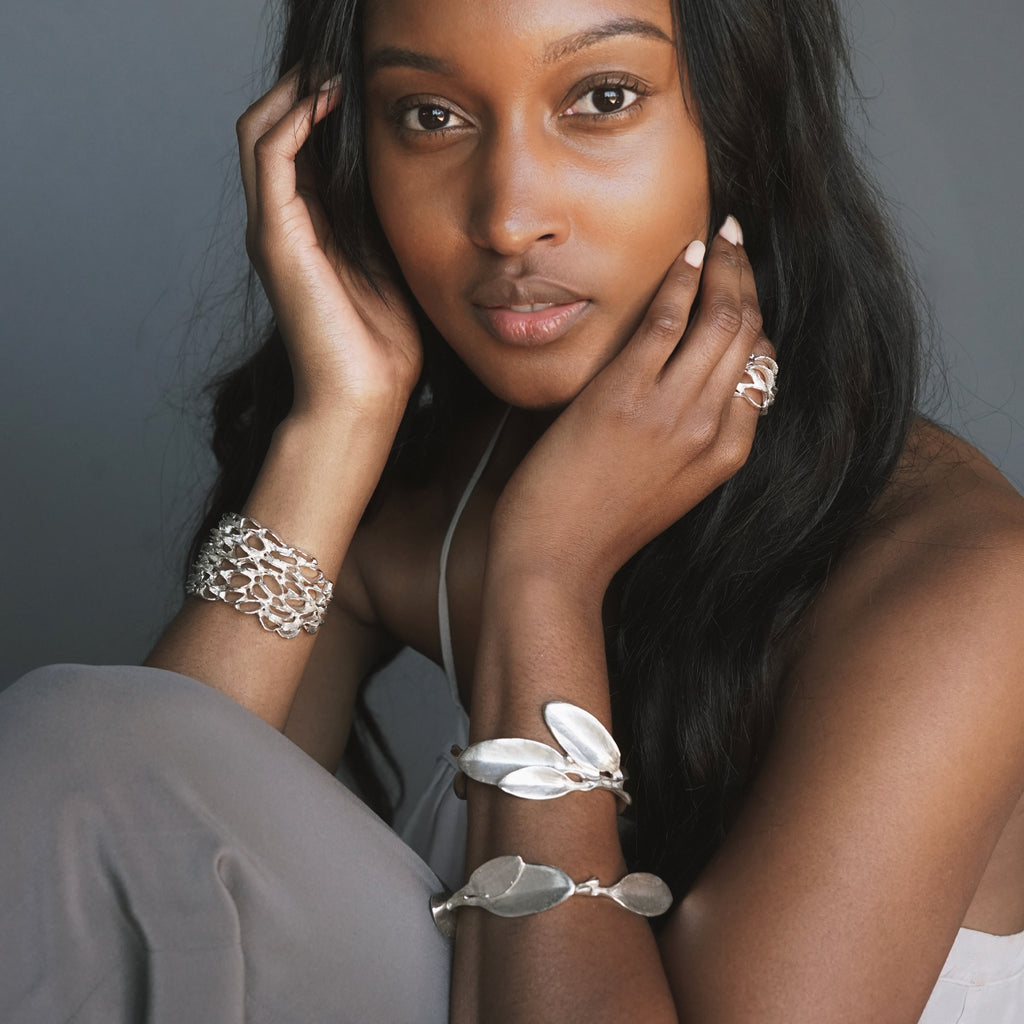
707 611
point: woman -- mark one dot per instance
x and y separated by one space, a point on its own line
808 624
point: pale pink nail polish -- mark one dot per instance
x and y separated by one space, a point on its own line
731 231
694 253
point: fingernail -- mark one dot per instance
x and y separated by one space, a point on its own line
694 253
331 83
731 230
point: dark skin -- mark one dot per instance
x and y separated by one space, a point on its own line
887 812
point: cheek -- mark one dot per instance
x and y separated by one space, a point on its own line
659 199
644 211
407 215
402 210
422 227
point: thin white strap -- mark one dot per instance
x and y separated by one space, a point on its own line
443 616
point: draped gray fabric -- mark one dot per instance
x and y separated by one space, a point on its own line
168 857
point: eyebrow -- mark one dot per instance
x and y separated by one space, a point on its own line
568 45
400 57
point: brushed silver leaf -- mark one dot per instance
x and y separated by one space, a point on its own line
540 887
494 877
537 782
444 916
491 760
582 736
642 893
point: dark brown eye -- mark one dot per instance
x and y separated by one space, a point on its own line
432 117
608 99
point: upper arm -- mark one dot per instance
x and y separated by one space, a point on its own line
897 761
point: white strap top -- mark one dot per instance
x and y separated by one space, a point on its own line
436 827
443 611
982 981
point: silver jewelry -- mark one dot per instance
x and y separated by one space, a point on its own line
763 372
248 566
535 771
509 887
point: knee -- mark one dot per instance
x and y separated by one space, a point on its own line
75 715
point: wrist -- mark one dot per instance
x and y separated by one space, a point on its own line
540 640
520 581
316 480
364 419
336 446
530 555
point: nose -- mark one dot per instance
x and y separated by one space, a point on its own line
517 195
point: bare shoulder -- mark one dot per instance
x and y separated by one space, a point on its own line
913 668
922 619
944 556
949 493
882 817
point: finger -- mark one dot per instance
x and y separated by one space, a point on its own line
740 420
728 318
257 119
270 135
731 378
749 335
741 401
275 151
665 321
744 394
719 314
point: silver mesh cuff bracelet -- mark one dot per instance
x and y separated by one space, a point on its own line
249 567
509 887
536 771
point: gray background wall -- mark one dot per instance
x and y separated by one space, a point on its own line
117 187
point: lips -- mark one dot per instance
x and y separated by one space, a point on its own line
527 311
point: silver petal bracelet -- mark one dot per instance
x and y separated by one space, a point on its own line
509 887
535 771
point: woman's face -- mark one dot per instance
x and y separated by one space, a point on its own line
536 171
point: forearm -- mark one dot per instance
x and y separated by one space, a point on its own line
311 491
587 959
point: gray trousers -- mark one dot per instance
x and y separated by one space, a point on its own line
167 857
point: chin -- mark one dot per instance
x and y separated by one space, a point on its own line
531 398
535 392
537 380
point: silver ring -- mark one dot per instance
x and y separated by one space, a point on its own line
763 372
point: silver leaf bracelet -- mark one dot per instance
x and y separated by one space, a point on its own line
535 771
509 887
